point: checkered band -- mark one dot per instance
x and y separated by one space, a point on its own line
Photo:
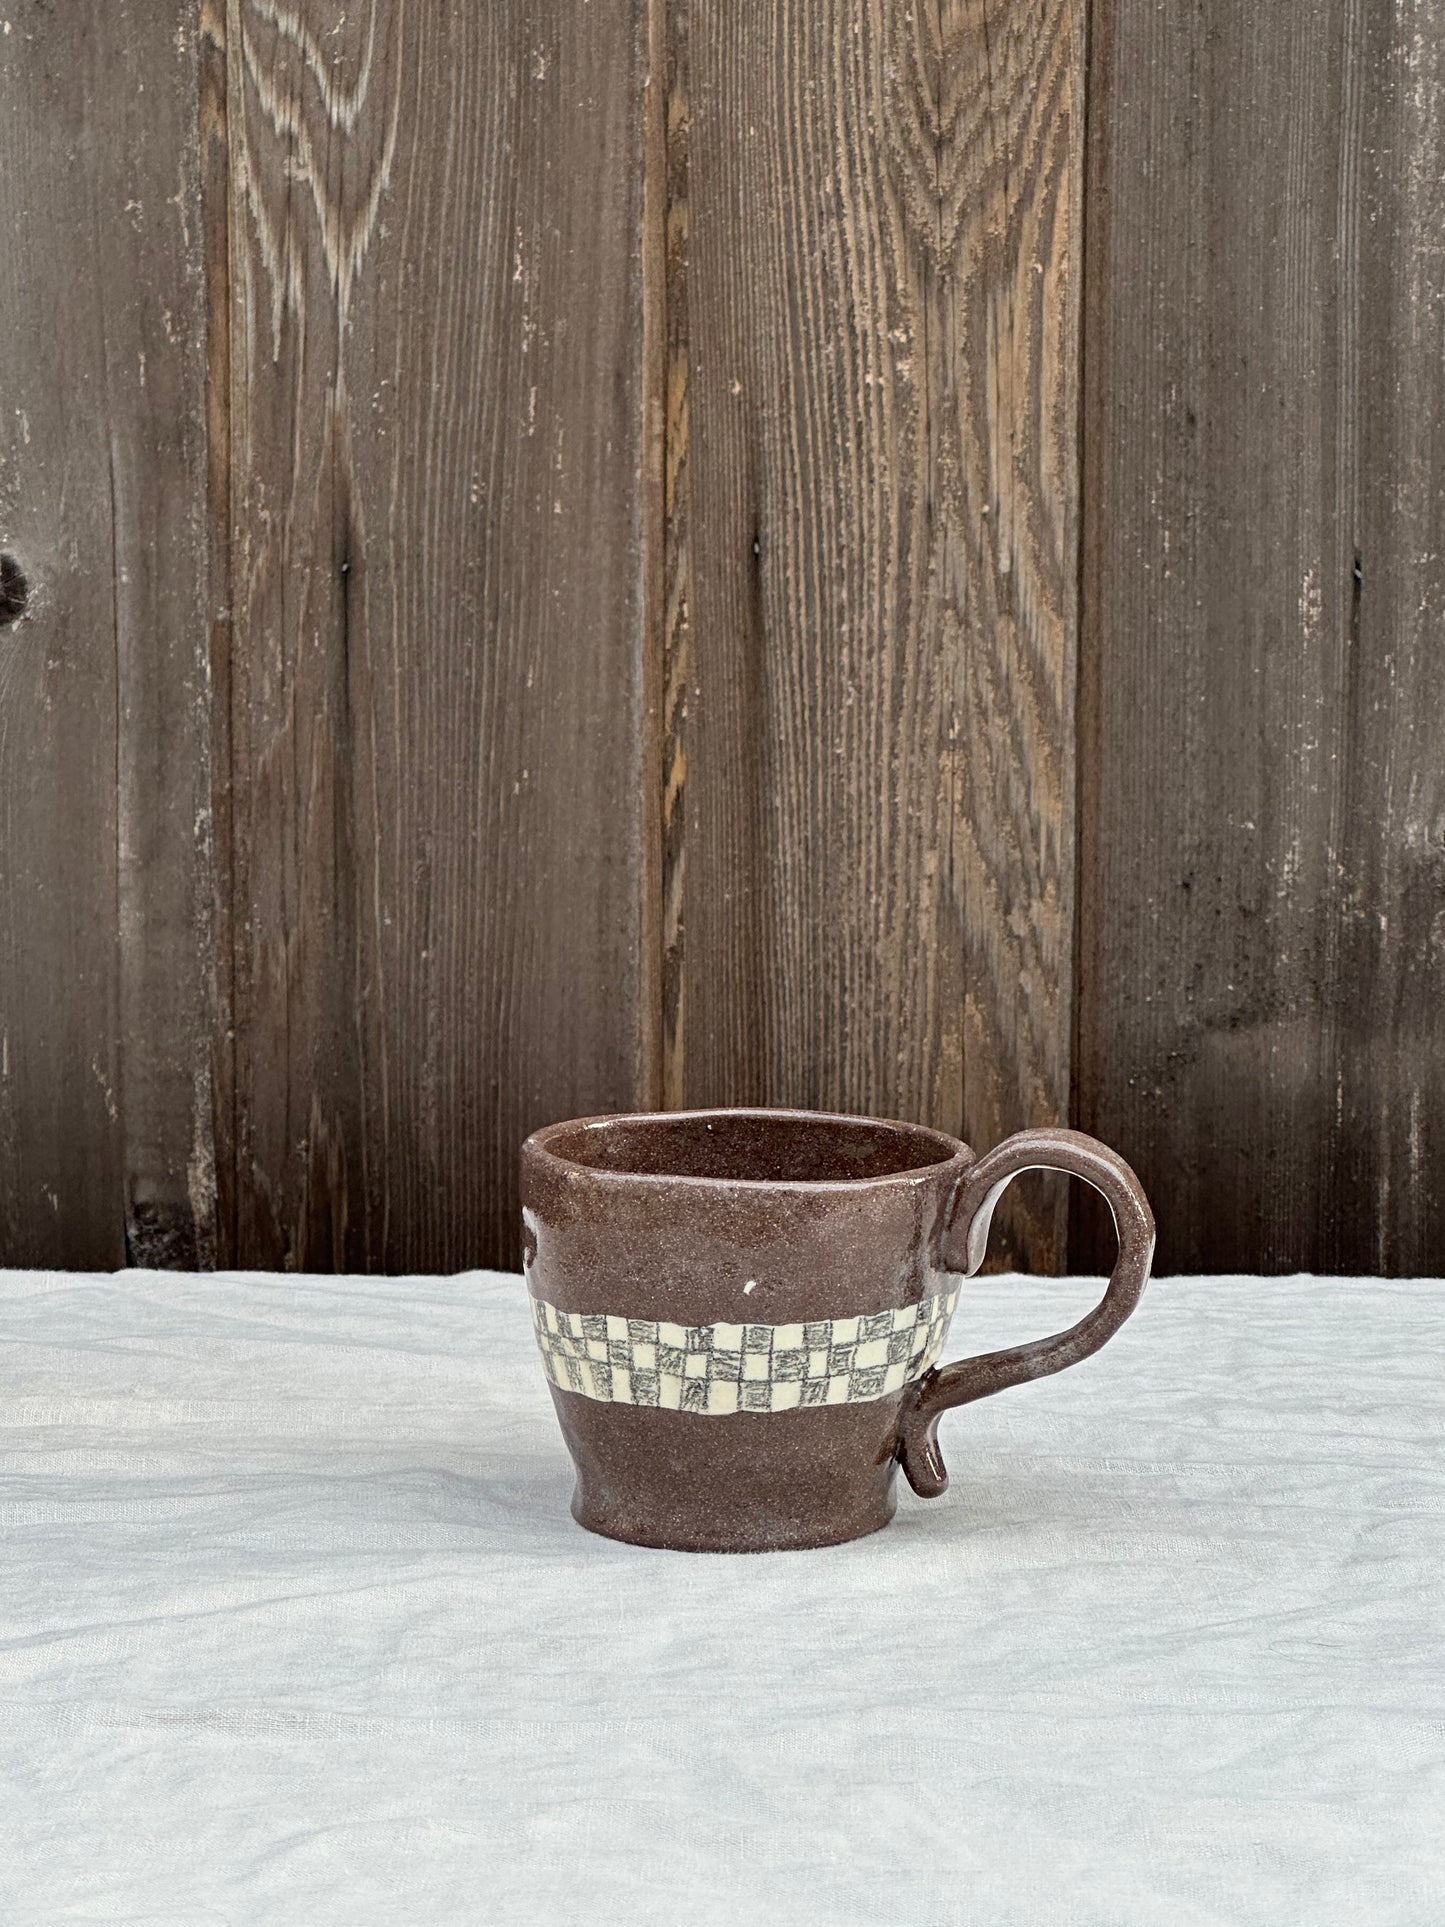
718 1369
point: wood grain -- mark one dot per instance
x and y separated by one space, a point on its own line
541 571
105 1106
1262 955
1004 420
881 460
439 686
670 42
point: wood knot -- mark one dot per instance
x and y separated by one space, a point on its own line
14 591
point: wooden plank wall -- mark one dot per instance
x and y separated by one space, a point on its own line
441 801
105 1017
672 552
872 876
1262 876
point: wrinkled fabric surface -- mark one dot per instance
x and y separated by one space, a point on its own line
295 1629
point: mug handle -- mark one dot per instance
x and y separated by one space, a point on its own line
962 1244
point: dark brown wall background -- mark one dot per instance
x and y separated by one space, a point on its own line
678 552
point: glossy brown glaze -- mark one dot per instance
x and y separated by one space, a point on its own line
747 1228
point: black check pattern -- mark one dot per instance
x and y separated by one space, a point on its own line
721 1369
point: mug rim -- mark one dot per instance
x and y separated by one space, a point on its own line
954 1150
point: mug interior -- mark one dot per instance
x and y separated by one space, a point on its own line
760 1147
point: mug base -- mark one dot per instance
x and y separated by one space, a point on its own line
761 1535
743 1482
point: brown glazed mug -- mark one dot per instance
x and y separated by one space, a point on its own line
740 1312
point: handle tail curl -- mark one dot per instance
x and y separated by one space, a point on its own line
963 1243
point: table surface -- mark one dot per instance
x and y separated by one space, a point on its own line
296 1629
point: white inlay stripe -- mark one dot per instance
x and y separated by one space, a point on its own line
715 1370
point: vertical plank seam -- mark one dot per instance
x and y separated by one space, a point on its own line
652 560
676 564
932 459
1327 1238
118 1065
1085 744
1087 856
220 911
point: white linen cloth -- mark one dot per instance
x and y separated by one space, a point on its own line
295 1629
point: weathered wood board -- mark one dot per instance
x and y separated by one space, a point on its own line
561 556
869 768
1262 878
439 700
105 1019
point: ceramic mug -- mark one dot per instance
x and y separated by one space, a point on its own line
740 1312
